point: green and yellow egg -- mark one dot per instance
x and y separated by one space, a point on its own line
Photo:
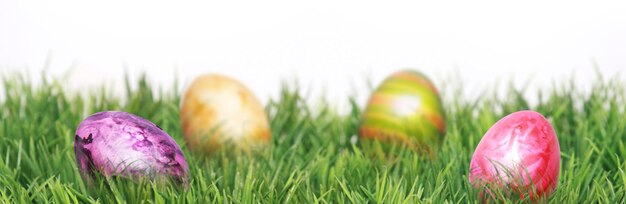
405 110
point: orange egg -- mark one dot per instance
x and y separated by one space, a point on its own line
218 110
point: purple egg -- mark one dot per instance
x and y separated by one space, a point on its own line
122 144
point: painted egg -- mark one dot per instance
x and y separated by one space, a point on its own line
405 109
520 152
122 144
218 110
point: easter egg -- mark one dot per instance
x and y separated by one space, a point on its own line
218 110
405 109
521 153
122 144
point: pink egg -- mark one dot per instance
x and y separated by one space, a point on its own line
520 152
117 143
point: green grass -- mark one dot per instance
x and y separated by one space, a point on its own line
311 159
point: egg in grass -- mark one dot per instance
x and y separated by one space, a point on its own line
219 111
519 154
120 144
404 110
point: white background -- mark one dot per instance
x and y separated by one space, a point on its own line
331 47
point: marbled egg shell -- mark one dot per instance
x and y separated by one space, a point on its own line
217 109
518 151
123 144
405 109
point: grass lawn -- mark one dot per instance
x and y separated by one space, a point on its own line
312 158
